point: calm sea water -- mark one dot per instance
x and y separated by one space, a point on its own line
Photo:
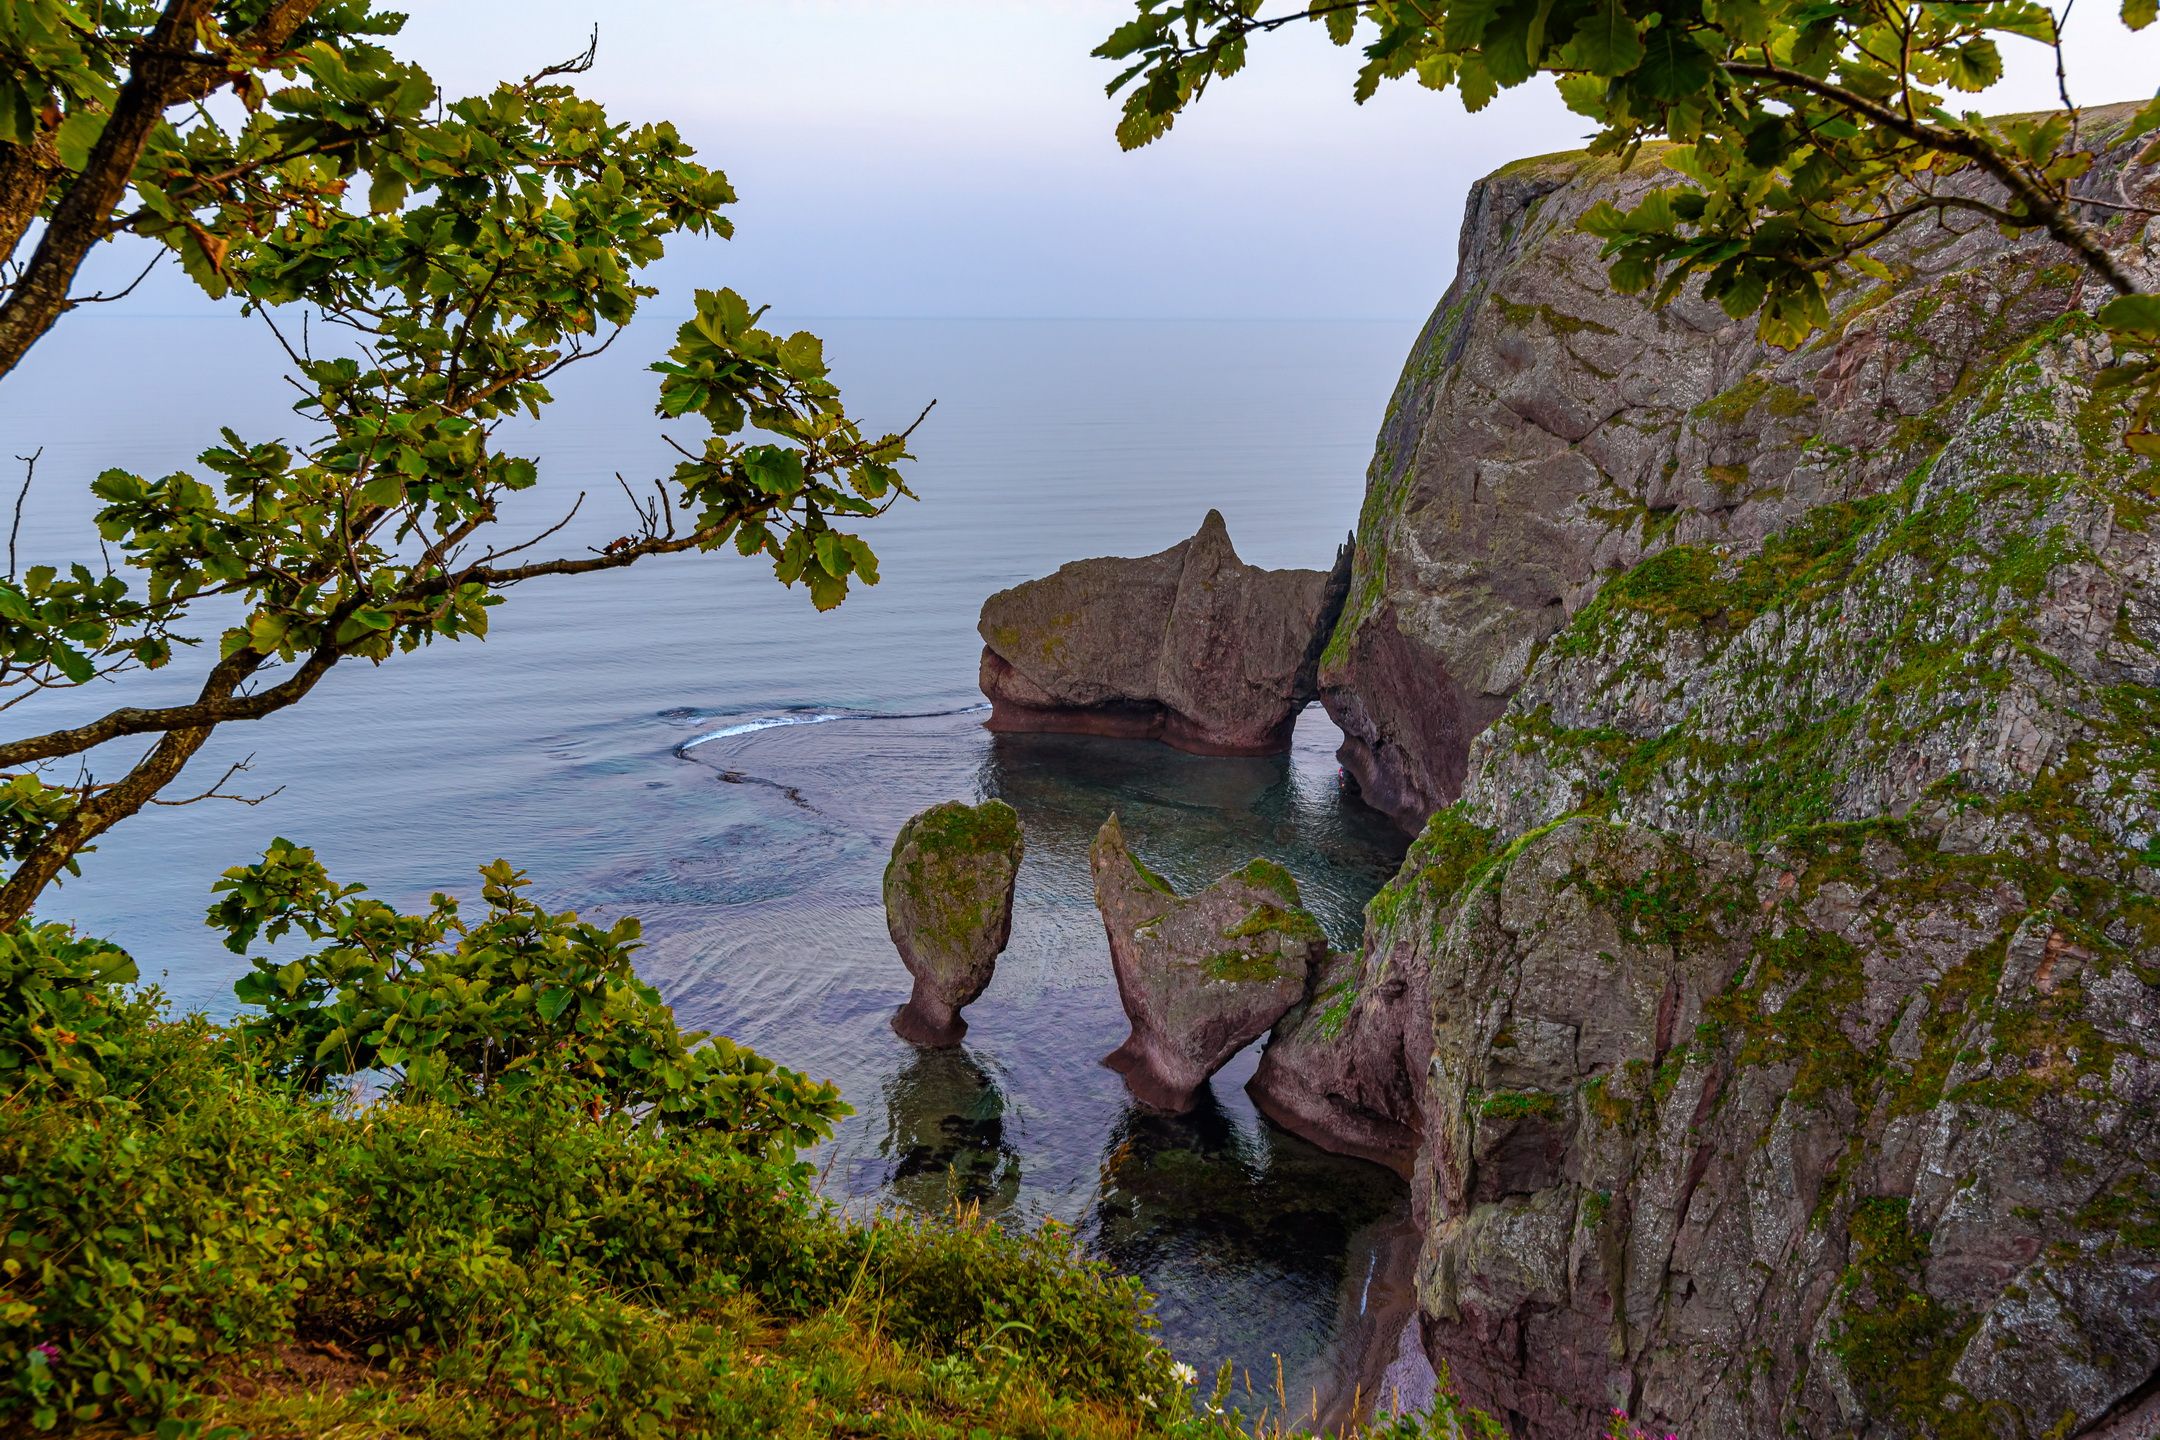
692 744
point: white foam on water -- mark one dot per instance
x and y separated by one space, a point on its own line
771 722
766 722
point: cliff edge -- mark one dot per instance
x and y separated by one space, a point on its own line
1769 1010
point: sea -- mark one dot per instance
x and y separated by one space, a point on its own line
693 744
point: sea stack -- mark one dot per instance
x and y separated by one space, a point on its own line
1191 646
1200 977
948 906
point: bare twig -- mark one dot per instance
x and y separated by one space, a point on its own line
2062 78
101 297
15 529
494 555
577 64
217 791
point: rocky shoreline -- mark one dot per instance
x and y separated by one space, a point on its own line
1768 1013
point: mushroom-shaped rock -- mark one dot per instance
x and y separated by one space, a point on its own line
948 904
1191 646
1203 976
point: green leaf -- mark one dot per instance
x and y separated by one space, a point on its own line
2146 120
865 561
2133 320
266 632
1476 83
77 133
2137 14
1673 67
1975 65
73 664
1606 43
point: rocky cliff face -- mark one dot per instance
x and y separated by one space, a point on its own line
1769 1011
1547 433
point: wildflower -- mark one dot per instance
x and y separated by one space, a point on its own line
1182 1373
50 1351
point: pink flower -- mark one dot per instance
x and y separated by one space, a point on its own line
49 1350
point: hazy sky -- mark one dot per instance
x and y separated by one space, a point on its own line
954 157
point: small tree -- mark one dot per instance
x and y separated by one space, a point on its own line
462 253
1804 130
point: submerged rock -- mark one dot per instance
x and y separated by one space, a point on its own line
1191 646
1200 977
948 905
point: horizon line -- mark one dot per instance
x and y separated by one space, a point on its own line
222 313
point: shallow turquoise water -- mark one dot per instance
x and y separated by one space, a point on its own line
617 737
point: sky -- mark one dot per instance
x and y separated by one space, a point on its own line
955 157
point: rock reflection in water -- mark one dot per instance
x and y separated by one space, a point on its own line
1246 1234
1197 819
945 1135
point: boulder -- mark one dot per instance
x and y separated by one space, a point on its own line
948 905
1191 646
1201 977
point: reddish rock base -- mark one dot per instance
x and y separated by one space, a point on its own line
1152 1078
1130 720
928 1021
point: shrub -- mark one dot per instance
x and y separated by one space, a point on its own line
513 1237
450 1007
514 1223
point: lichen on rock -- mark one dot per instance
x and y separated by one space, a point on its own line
1548 432
1769 1012
948 905
1200 977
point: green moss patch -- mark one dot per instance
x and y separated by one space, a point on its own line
1265 874
1897 1342
1154 880
1517 1105
1291 924
1240 966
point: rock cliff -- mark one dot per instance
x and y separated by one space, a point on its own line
1548 432
1769 1010
1191 646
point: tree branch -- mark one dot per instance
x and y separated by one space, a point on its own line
167 69
2047 211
